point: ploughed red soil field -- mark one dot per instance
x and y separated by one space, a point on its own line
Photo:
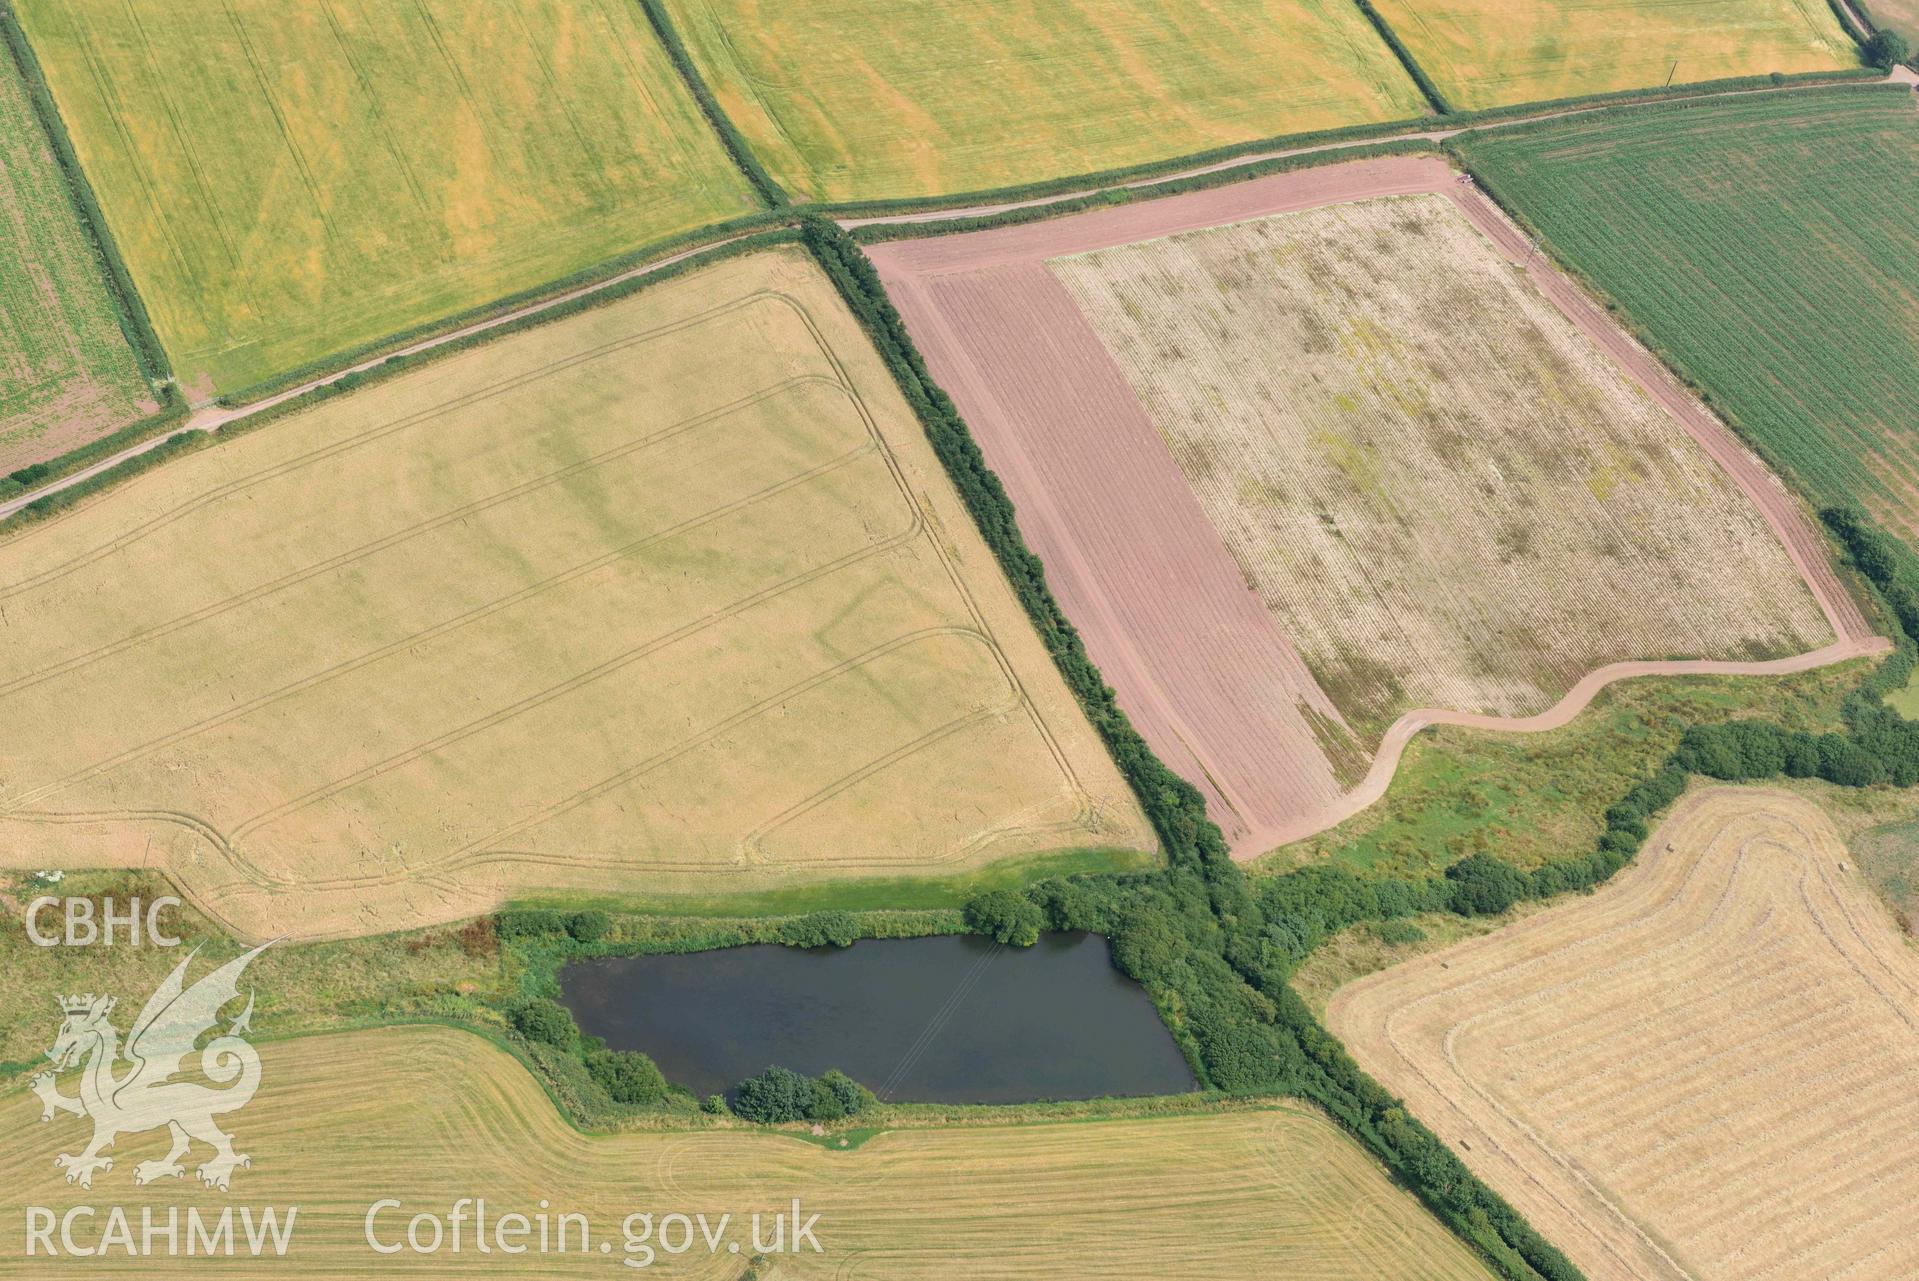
1200 662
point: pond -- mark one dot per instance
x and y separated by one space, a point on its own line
954 1019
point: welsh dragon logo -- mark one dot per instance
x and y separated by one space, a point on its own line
145 1096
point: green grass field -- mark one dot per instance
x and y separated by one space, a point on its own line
67 374
1534 798
289 182
1769 248
870 99
1490 53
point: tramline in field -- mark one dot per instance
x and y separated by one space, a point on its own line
667 597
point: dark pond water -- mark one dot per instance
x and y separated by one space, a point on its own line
946 1020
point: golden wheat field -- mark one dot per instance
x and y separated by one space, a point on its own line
669 596
1273 1191
289 182
873 99
1485 53
1444 492
1708 1069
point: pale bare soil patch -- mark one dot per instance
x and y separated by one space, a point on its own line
1200 663
1445 494
1264 1192
670 596
1707 1069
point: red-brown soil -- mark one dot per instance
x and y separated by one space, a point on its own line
1199 664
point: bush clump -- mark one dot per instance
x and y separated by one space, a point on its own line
781 1094
821 929
627 1075
1005 916
548 1022
1485 885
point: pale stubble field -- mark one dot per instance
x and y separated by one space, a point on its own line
1707 1069
668 597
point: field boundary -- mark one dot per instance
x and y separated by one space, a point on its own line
1798 536
1435 126
730 137
1700 851
211 427
874 221
128 309
880 232
1173 806
550 292
36 475
1456 148
1405 56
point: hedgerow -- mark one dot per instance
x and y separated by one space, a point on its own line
343 384
1195 935
128 310
1405 56
730 136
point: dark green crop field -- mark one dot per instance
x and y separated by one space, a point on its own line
1768 247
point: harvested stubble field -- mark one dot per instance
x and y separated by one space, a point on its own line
67 374
288 182
1767 245
872 99
1446 495
670 596
1707 1069
1486 53
1275 1191
1202 652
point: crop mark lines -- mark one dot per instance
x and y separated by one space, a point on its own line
357 440
1061 760
477 852
740 718
539 57
459 77
578 681
878 765
432 879
1757 926
106 92
280 121
373 106
182 138
437 631
410 532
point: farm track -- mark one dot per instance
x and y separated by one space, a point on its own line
250 861
1295 768
1699 1072
1185 676
209 417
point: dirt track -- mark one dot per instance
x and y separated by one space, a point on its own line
1198 662
1704 1070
